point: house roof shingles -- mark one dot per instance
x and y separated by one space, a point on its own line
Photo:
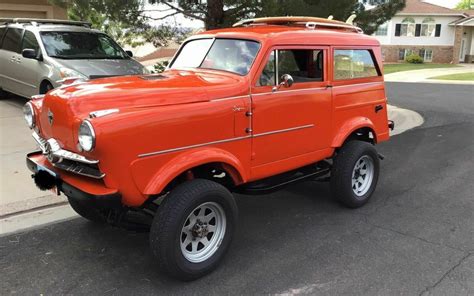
422 7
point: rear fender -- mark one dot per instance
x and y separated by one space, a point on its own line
186 161
349 127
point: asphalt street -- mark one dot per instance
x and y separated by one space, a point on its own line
416 235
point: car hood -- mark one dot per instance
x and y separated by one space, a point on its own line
95 68
169 88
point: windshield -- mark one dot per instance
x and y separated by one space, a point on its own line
81 45
230 55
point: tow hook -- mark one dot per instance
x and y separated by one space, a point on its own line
381 156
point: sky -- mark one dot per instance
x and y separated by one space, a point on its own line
445 3
186 22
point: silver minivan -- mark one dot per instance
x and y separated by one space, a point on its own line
39 55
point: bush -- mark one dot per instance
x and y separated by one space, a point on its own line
160 66
414 59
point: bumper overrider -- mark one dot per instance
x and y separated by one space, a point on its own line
76 176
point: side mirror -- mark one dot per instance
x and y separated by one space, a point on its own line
29 53
129 53
286 81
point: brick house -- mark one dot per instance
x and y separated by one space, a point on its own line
437 34
31 9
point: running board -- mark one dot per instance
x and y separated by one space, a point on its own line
277 182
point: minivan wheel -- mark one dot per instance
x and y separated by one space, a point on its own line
193 228
355 173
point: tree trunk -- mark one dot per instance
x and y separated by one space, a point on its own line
215 14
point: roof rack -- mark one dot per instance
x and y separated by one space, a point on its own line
308 22
35 22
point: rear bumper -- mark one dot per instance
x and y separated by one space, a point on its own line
75 187
391 125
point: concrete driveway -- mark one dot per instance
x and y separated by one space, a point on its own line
416 236
424 75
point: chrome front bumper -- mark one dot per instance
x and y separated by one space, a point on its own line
67 160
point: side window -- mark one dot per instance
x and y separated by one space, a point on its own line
304 65
12 39
2 32
29 41
107 47
268 73
357 63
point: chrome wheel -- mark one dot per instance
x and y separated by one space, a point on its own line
362 175
203 232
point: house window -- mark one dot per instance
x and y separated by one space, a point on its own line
382 30
428 27
403 53
408 27
426 54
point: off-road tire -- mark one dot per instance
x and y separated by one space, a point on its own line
342 173
87 211
165 233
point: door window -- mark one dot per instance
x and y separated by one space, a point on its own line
12 39
304 65
29 41
354 63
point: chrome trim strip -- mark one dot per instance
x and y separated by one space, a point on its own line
358 84
283 130
225 141
61 153
231 98
193 146
287 91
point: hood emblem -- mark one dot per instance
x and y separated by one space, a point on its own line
50 117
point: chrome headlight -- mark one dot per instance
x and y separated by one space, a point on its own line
29 114
86 136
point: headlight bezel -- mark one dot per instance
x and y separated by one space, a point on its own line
29 107
86 124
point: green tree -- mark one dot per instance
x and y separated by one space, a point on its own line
123 20
465 4
223 13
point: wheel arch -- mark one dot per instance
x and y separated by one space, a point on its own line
360 128
43 84
194 164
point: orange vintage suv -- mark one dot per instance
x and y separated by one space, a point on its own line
247 109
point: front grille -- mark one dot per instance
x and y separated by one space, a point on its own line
91 170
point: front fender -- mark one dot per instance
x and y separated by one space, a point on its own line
348 127
154 182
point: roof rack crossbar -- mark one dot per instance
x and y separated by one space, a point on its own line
35 21
308 22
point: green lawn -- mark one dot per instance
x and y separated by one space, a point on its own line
392 68
469 76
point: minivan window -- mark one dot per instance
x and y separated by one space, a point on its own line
2 32
81 45
29 41
353 63
12 39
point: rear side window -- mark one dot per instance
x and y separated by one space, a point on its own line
354 63
29 41
12 39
